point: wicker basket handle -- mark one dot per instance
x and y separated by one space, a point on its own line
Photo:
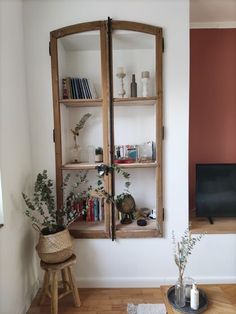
36 227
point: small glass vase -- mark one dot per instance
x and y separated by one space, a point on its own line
75 154
180 293
188 282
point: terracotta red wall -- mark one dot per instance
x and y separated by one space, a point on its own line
212 120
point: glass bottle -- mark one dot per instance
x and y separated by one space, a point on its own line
180 293
133 87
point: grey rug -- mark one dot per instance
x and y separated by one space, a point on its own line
146 309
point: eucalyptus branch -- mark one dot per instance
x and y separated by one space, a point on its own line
183 248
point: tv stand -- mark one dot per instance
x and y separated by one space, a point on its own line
210 220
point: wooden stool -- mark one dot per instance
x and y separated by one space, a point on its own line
50 283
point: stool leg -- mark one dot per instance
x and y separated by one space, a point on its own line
73 287
65 279
54 293
44 287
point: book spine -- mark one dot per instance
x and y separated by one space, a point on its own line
68 87
64 89
101 209
96 209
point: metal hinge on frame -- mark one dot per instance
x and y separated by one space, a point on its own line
49 48
163 44
53 135
163 132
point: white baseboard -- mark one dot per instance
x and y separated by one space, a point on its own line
145 282
30 296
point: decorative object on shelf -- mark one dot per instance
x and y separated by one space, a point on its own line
79 126
194 297
146 152
91 154
124 202
98 154
188 282
145 78
133 87
180 293
54 243
182 249
121 75
203 302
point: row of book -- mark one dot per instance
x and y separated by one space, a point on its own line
90 209
78 88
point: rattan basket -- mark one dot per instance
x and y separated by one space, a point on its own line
55 248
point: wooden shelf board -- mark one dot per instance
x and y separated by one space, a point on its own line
134 231
88 230
138 165
87 166
134 101
88 226
78 166
221 225
82 102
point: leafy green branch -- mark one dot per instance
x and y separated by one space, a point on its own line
183 248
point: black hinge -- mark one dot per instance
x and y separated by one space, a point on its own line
163 214
49 48
163 132
163 44
53 135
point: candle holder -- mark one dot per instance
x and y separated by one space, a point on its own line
121 75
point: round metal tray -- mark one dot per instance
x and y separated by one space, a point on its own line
203 302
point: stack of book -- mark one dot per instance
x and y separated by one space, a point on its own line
90 209
78 88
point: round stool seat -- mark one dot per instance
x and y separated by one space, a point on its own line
58 266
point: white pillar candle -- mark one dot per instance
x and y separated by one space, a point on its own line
120 70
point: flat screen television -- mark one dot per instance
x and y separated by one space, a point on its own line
215 190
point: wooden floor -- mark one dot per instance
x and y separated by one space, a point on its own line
101 301
222 300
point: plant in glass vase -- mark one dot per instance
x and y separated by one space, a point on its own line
79 126
182 249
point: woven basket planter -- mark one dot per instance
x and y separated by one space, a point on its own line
55 248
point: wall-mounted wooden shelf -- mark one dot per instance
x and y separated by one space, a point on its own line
87 166
135 101
82 102
132 101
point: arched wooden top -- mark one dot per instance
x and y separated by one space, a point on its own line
96 25
77 28
137 27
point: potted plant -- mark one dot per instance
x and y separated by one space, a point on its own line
54 244
124 202
98 154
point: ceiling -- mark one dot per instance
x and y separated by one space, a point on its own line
208 11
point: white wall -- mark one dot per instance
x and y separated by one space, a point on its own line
18 272
129 262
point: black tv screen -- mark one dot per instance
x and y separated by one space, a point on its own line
216 190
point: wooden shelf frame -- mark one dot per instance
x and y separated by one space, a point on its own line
93 230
